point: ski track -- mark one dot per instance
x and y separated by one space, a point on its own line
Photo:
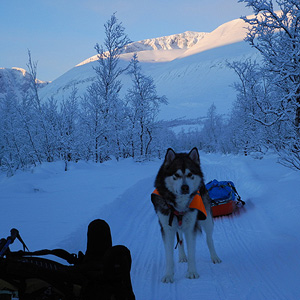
250 269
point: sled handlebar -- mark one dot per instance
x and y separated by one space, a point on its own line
14 233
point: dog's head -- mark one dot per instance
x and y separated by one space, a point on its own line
183 175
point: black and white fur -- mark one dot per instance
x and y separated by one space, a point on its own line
177 181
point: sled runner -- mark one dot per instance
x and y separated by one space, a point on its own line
224 197
103 272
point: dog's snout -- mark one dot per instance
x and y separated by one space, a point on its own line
185 189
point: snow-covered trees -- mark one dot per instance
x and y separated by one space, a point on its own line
41 114
23 130
269 92
213 132
10 137
69 133
101 124
249 135
102 101
143 103
98 126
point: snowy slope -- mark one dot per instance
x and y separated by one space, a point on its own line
260 247
229 33
15 81
189 68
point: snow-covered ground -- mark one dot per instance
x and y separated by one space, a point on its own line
260 247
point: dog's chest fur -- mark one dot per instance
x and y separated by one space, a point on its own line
181 205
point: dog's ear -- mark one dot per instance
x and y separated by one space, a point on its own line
170 156
194 155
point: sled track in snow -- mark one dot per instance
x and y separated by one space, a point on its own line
260 248
248 267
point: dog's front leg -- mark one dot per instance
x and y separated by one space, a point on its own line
208 226
190 235
182 256
168 238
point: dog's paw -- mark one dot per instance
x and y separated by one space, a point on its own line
192 275
168 279
216 259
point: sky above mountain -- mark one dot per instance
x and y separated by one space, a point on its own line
62 33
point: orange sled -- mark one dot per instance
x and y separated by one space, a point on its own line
223 209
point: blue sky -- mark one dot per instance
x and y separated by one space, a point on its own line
62 33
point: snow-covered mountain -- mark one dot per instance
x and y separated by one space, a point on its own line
189 68
15 80
169 47
184 40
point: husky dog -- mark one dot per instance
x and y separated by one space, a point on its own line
178 182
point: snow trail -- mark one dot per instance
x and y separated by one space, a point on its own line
259 248
254 265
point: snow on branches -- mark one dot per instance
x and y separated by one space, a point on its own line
276 35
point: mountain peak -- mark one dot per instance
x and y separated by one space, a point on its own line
16 80
22 71
168 48
181 41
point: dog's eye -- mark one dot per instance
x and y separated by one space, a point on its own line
176 176
189 175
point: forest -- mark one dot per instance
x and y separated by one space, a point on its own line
102 125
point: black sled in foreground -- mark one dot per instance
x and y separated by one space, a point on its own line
102 273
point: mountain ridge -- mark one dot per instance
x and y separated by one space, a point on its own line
185 44
16 81
180 41
190 69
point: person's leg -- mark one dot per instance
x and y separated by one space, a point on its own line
117 266
98 240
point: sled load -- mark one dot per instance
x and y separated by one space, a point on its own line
103 272
224 197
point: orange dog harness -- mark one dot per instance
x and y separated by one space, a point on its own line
196 203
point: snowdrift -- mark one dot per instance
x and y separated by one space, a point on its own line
260 248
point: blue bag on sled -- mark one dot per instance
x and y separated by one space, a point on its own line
224 197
